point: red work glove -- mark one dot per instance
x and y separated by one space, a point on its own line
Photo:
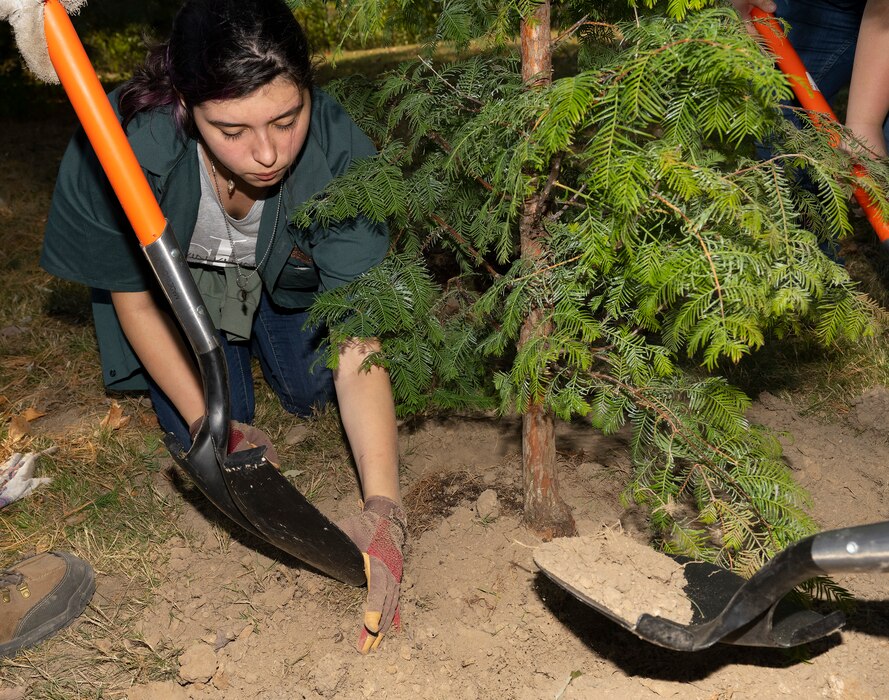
379 532
244 437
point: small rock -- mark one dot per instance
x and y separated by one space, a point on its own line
220 679
275 597
223 638
297 434
870 409
488 505
327 674
12 331
103 645
197 664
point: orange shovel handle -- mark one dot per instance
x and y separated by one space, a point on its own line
811 98
101 124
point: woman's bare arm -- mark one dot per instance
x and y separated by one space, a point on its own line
869 90
368 414
158 345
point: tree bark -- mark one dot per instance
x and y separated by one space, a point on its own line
537 60
545 511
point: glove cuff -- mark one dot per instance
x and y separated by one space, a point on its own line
389 509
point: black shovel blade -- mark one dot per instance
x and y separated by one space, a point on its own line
284 517
722 606
721 603
201 464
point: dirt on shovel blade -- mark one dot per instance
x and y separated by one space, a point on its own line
619 576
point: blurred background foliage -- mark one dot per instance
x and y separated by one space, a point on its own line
115 34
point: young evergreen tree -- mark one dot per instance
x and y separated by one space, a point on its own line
610 239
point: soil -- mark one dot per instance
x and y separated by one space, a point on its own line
618 575
479 620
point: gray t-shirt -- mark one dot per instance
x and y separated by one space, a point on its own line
210 243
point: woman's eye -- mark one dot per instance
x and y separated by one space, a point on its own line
286 126
233 136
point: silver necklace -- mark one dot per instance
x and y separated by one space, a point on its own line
241 277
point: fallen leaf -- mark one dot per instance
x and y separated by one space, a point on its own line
32 414
115 418
76 519
18 428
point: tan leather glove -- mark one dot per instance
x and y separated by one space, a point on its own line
379 531
244 437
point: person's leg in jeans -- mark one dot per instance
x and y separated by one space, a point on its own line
291 358
824 33
240 380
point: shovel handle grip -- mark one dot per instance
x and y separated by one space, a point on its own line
851 549
101 124
812 99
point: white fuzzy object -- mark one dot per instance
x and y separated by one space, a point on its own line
17 476
26 18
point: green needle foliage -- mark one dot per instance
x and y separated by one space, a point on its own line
668 248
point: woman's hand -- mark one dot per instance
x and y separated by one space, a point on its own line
742 7
379 531
242 436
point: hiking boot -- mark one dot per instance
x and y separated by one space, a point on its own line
39 596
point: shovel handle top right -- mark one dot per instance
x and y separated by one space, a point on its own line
812 99
853 549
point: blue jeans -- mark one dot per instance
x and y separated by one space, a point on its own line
824 34
291 360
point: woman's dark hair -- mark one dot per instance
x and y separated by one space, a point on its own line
218 50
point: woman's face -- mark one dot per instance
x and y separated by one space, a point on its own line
257 137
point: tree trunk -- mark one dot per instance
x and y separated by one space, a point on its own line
545 511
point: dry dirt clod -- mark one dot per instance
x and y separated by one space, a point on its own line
488 505
197 664
17 693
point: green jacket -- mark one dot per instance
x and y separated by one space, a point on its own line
89 240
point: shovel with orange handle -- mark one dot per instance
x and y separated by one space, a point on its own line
811 98
244 485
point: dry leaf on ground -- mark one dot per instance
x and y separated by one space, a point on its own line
115 418
18 428
32 414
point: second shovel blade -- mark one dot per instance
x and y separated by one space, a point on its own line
674 602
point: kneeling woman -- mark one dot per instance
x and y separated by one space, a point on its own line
232 135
